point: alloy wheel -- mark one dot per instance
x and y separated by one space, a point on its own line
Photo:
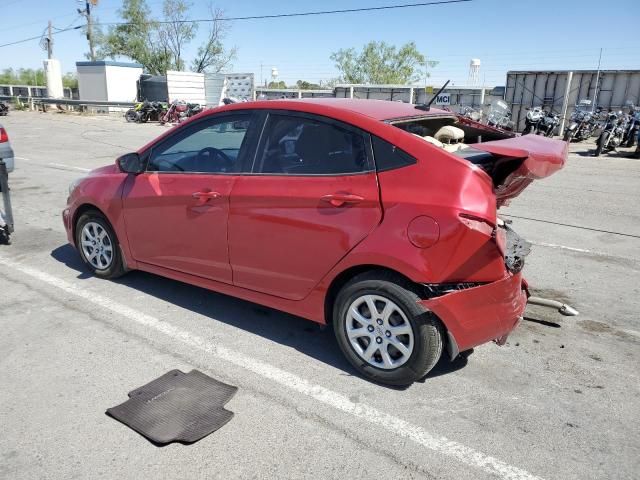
379 331
97 246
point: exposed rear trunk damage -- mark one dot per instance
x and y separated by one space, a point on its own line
514 163
511 161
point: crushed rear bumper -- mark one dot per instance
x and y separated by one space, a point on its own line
483 313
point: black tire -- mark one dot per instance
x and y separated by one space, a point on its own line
428 332
131 115
527 130
602 139
116 268
631 141
568 135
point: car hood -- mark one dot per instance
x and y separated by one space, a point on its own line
105 170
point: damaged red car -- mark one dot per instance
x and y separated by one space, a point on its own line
379 218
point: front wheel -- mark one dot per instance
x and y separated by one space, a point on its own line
131 115
527 129
568 135
98 245
383 331
601 142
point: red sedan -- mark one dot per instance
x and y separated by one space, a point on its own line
379 218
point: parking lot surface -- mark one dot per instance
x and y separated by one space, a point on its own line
561 400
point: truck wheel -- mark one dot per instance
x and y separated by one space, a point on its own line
98 245
383 331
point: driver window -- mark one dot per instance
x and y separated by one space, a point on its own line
209 147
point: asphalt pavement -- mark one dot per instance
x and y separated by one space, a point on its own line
561 400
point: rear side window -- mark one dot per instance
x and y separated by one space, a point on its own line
296 145
388 156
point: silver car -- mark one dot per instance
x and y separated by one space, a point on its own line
6 152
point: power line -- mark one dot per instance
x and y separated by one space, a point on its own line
300 14
39 36
263 17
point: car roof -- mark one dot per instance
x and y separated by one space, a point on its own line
376 109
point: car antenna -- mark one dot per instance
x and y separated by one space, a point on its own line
427 106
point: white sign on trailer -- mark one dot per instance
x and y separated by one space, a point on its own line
443 99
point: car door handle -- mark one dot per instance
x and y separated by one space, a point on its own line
340 199
203 197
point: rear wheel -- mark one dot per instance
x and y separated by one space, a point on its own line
98 245
600 143
383 331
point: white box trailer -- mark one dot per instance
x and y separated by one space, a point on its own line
186 86
106 81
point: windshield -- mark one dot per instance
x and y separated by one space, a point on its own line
499 107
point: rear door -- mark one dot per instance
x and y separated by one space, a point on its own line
311 198
176 212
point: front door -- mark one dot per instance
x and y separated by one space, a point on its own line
176 212
311 198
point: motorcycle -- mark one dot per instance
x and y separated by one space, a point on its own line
179 111
144 111
613 133
548 124
4 109
582 123
193 109
532 120
499 116
471 113
632 126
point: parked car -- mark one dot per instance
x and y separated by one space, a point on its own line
6 155
377 217
6 152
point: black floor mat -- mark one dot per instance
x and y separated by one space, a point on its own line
176 407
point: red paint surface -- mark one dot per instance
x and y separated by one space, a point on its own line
282 240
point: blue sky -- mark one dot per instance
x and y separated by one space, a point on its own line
516 34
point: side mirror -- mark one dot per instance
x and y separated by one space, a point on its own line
131 163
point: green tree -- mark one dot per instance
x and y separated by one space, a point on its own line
70 80
304 85
279 84
380 63
160 45
23 76
138 39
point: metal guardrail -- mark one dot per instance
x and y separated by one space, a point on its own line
68 101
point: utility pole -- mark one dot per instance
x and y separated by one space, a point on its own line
595 92
87 14
50 43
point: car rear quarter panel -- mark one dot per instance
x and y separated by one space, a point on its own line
441 188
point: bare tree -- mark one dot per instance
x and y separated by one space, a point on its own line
212 56
176 31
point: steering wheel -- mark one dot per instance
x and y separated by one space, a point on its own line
167 166
206 157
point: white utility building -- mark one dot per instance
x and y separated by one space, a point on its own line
106 81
